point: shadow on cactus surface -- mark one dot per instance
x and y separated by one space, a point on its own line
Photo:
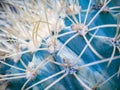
59 44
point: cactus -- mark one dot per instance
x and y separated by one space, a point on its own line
59 44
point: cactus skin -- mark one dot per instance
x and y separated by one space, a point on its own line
59 63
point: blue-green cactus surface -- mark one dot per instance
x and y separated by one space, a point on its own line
80 60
